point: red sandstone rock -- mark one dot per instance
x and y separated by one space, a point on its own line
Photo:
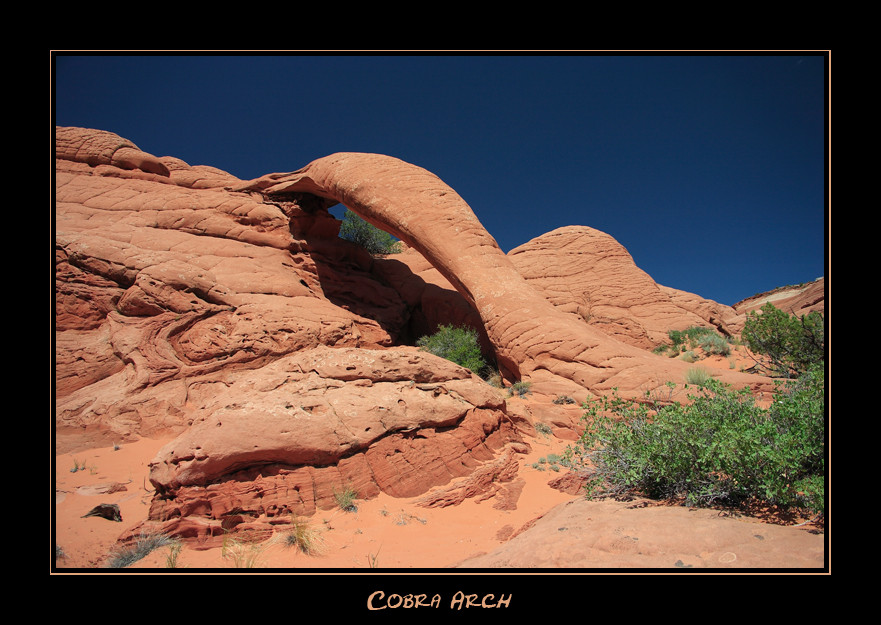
533 339
229 314
588 274
283 439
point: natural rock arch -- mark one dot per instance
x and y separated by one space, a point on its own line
533 340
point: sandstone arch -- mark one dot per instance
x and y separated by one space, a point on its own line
533 340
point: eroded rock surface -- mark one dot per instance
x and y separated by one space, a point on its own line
533 339
283 440
163 277
228 315
588 274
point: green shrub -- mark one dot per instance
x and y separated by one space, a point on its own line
698 336
367 235
676 337
792 344
458 344
722 447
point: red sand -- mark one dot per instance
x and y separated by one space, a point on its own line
385 532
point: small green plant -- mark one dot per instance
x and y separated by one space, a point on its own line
368 236
345 499
551 461
59 553
173 553
688 356
457 344
144 544
372 558
697 376
521 389
78 466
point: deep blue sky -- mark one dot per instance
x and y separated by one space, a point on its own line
710 169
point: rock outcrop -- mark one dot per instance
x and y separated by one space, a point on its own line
165 277
588 274
228 315
533 339
798 299
283 440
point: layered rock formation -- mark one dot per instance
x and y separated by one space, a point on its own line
533 339
798 299
228 314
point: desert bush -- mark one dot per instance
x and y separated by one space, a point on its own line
697 376
714 344
676 338
244 554
458 344
368 236
698 336
793 345
543 428
521 389
303 536
721 447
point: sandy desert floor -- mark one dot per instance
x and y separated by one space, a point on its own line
397 534
385 532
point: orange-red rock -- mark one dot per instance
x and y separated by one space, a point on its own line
227 315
